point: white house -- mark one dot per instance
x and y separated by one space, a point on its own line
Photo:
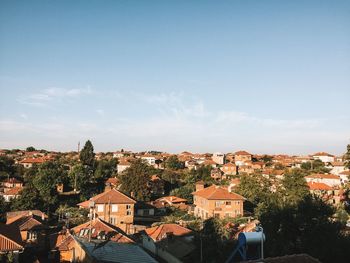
324 157
329 179
219 158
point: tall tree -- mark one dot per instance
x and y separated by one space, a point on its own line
305 227
30 149
87 155
136 180
173 163
49 174
7 167
294 187
3 209
347 157
29 199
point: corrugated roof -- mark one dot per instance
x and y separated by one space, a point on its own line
116 252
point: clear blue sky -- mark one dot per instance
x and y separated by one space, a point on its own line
264 76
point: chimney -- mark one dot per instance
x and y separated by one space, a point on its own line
199 185
132 194
108 187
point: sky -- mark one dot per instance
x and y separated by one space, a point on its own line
201 76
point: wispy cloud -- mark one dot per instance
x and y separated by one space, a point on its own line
47 95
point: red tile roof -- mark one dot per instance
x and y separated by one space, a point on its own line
33 160
12 181
172 199
322 154
242 153
115 234
323 176
318 186
113 196
14 191
24 223
160 232
215 192
10 238
112 180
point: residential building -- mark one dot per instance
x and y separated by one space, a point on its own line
329 179
229 169
324 157
32 230
29 162
11 183
113 207
170 242
10 241
11 193
217 174
123 165
241 157
218 158
216 201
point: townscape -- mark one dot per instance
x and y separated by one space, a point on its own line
152 206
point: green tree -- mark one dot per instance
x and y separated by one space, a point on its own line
29 199
7 167
347 157
80 178
305 227
316 166
49 174
4 207
174 163
87 155
104 170
256 188
136 180
184 191
294 187
30 149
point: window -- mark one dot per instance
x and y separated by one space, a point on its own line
228 214
114 208
216 215
128 206
128 212
228 203
112 220
31 235
99 208
218 203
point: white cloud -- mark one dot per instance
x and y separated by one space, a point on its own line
47 95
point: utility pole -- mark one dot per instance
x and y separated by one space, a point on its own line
75 177
92 206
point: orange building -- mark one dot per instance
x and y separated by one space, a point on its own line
113 207
216 201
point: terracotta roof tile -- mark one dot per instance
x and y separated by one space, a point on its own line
318 186
113 196
115 233
323 176
215 192
160 232
10 238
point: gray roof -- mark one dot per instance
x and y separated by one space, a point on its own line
117 252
